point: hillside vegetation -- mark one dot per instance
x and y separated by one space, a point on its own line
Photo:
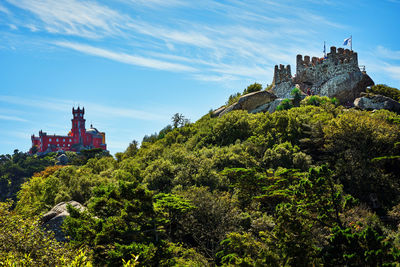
312 185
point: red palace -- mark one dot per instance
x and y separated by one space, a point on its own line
77 139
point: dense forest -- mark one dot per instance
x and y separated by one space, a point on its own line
317 184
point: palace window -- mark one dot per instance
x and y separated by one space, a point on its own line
57 140
70 140
63 140
49 139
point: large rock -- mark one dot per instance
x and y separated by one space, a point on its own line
377 102
218 111
62 159
345 87
53 219
249 102
268 107
283 89
255 99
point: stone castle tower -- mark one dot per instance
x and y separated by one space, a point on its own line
337 75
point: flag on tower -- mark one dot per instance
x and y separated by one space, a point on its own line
347 41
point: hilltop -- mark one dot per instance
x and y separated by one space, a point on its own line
277 176
313 184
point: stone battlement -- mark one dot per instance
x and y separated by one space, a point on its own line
337 71
282 74
334 58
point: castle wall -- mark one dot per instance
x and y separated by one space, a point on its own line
318 70
77 136
282 74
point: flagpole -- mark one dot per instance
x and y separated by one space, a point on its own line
351 43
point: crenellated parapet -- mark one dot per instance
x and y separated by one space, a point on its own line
333 60
282 74
336 74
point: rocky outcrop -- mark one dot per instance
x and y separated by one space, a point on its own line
345 87
53 219
255 99
218 111
269 107
283 89
62 159
336 75
248 102
377 102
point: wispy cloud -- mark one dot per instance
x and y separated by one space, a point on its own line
125 58
394 71
63 105
4 9
11 118
388 53
246 47
155 3
82 18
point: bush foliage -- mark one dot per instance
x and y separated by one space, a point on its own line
303 186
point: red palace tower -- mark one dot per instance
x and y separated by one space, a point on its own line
77 139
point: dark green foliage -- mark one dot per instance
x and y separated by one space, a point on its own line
311 185
284 105
365 248
233 99
17 168
296 94
382 89
24 243
121 223
316 100
255 87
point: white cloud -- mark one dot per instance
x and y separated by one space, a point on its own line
258 35
394 71
72 17
63 105
125 58
388 53
156 3
4 9
215 78
11 118
32 27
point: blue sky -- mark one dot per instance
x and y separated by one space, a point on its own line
134 63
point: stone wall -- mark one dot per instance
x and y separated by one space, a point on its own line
337 75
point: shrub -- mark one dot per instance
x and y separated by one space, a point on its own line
316 100
284 105
382 89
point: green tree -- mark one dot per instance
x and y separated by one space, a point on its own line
296 94
284 105
124 223
24 243
255 87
